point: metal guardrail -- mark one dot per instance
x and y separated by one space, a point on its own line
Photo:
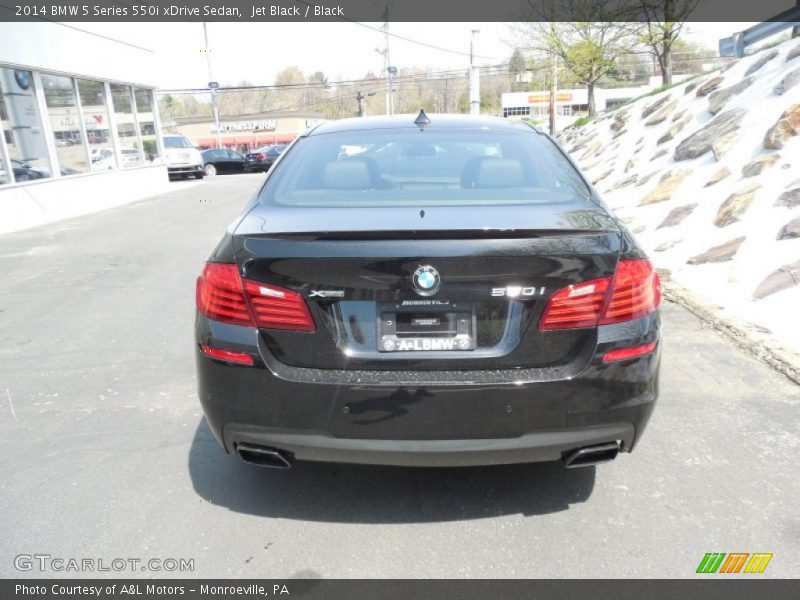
736 44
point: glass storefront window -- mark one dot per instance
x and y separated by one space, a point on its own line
62 110
21 126
147 126
5 176
95 118
130 145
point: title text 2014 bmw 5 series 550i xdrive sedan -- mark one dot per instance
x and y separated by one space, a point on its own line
429 291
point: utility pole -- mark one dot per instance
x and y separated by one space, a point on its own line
474 77
553 91
360 97
212 86
387 64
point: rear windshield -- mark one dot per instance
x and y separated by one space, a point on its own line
391 167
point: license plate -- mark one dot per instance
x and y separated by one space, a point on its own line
440 328
425 344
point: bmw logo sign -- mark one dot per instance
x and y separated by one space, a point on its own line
23 79
426 281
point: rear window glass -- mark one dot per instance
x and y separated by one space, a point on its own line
391 167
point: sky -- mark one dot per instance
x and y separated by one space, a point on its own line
256 52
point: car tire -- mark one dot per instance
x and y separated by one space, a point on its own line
199 175
210 170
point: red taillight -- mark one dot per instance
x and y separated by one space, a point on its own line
222 295
576 306
278 308
633 292
261 156
637 292
626 353
240 358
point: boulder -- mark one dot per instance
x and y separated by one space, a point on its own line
603 176
589 164
718 99
709 86
592 149
790 199
793 53
789 81
659 154
664 246
677 215
666 187
702 140
723 144
624 182
691 87
619 133
718 176
790 230
735 205
716 254
679 114
620 120
673 131
645 179
755 167
760 62
785 277
662 114
788 125
650 109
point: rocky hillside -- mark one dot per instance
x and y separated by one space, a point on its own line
707 177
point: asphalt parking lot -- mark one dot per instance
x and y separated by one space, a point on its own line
106 455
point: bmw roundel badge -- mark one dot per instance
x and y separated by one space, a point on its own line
426 281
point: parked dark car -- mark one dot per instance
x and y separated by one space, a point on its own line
263 158
24 171
222 160
438 291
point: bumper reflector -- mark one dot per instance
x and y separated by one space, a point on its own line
239 358
626 353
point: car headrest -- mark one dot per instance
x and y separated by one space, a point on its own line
499 173
347 175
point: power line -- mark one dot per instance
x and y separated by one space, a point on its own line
87 32
401 37
432 75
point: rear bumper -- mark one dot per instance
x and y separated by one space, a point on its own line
184 169
425 418
532 447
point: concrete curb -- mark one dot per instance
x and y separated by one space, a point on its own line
750 337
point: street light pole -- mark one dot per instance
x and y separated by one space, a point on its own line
214 109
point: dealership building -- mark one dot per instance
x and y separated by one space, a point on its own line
571 103
79 124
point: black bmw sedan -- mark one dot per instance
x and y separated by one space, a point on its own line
263 158
430 291
222 160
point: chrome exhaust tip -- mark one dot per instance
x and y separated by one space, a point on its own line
262 456
592 455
